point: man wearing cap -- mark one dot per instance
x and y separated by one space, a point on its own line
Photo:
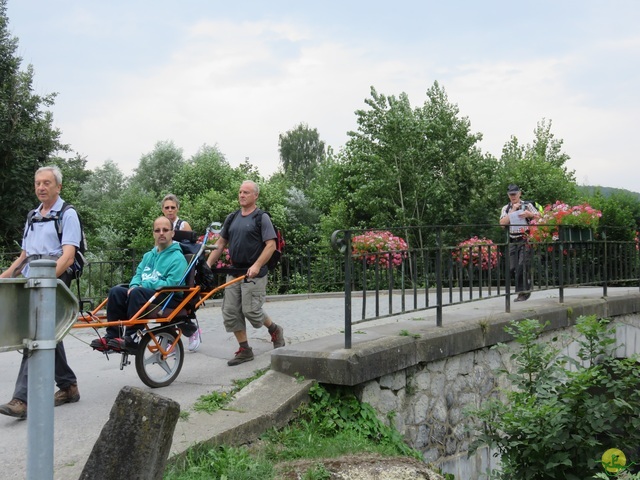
517 214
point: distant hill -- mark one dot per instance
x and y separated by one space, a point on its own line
606 191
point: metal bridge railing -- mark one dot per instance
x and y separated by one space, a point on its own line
434 271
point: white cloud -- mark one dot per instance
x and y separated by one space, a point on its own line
219 78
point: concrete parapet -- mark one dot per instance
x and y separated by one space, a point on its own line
381 350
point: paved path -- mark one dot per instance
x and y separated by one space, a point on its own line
77 426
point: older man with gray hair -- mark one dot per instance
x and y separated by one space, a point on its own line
40 241
252 240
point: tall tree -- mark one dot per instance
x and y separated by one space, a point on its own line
156 169
406 166
539 168
207 169
27 135
301 151
103 187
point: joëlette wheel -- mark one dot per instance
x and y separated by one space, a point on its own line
155 368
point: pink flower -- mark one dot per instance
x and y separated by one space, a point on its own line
378 246
479 252
225 259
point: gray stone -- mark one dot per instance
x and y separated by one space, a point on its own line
136 440
420 409
394 381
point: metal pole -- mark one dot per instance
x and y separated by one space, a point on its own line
347 289
439 277
507 278
42 314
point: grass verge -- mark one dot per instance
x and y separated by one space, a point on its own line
333 424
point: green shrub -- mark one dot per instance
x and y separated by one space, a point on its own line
562 413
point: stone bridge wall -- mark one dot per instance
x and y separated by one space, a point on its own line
424 376
427 401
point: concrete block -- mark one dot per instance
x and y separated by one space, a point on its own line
136 440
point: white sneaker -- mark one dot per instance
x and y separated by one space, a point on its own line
194 341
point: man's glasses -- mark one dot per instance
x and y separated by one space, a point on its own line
169 207
161 230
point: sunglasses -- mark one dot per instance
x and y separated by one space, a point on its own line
169 207
161 230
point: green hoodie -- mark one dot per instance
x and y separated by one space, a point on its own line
160 269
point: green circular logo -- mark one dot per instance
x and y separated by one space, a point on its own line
613 460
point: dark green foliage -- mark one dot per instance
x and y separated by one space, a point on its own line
411 166
301 151
620 215
563 414
223 463
538 168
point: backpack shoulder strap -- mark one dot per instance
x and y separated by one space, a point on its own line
30 216
257 215
230 218
58 218
178 224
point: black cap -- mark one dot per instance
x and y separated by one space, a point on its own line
513 188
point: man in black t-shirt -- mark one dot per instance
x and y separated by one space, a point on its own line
251 243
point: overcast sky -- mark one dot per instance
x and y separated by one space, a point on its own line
236 74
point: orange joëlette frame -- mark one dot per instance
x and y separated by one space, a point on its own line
94 319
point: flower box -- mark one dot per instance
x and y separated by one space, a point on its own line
566 223
576 234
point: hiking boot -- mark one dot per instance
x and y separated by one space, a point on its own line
277 337
242 355
125 344
194 341
70 394
100 344
15 408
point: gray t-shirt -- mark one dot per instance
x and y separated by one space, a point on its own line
246 240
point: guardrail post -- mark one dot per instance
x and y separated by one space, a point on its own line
42 311
605 277
507 275
561 270
343 245
439 277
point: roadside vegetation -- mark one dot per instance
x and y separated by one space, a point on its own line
333 424
562 414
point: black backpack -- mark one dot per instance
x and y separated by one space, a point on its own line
79 260
189 244
280 243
